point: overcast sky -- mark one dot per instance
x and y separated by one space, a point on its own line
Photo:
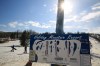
40 15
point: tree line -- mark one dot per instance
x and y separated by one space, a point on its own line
24 36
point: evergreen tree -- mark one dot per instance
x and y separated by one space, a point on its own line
12 35
23 40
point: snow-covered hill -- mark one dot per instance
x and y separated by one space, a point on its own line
17 58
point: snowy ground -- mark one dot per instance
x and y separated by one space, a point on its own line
95 52
17 58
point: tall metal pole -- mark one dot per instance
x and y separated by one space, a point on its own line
59 24
60 18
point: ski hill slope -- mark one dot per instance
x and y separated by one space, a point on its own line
17 58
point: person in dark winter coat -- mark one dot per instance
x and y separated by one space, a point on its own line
13 48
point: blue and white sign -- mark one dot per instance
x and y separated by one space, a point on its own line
59 49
